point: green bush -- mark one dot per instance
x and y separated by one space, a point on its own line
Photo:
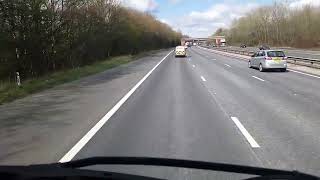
10 91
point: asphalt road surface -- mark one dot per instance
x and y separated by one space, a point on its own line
203 107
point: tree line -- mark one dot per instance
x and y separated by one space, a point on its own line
277 25
42 36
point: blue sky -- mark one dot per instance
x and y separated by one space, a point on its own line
170 8
200 18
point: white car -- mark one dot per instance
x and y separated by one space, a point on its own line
180 51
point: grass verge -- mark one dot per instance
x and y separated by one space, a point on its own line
10 91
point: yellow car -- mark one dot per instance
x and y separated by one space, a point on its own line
180 51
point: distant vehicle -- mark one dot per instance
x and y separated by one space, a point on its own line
268 59
214 45
243 46
194 44
264 47
180 51
188 44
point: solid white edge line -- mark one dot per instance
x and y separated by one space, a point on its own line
305 74
257 78
203 79
85 139
227 65
245 133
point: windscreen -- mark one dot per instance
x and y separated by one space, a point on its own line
276 54
163 79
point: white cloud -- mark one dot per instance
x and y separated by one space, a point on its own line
301 3
142 5
201 29
164 21
174 1
204 23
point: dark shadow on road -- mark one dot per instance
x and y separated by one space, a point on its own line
38 128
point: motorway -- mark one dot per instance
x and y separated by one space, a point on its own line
288 51
203 107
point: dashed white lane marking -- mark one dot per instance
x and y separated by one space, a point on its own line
193 66
305 73
227 65
203 79
85 139
245 133
257 78
288 68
